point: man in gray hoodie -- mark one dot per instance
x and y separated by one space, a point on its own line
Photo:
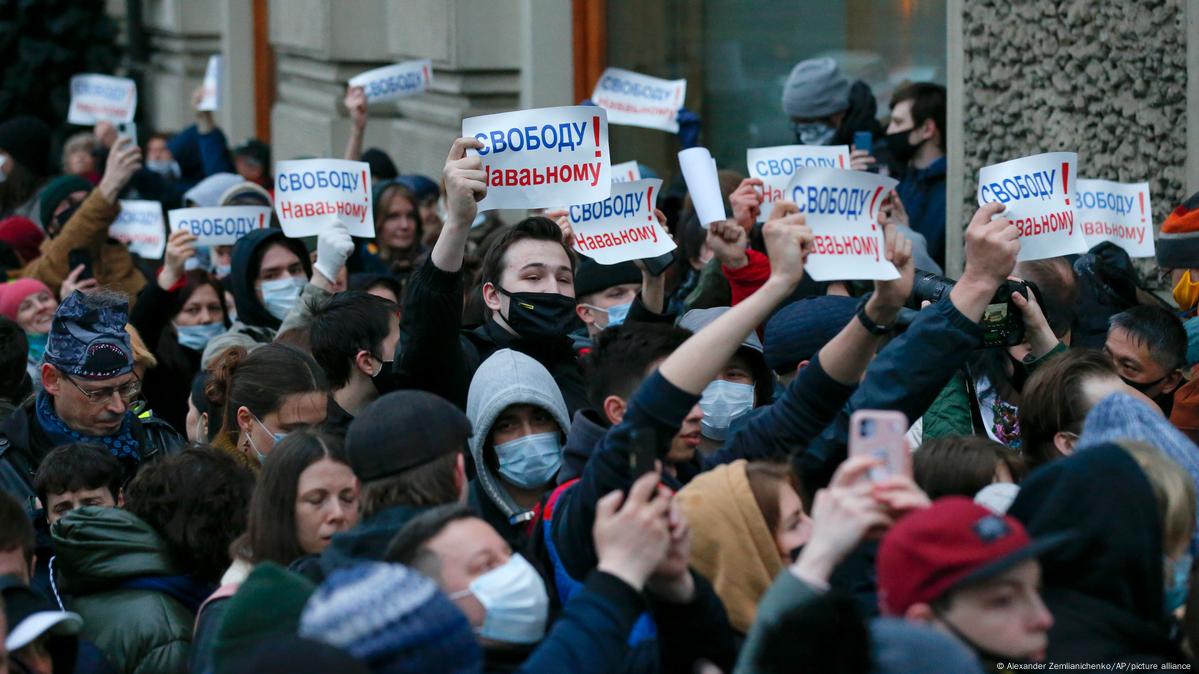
520 422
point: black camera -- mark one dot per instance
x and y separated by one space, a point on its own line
1002 323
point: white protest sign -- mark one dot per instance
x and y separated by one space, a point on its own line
633 99
775 166
1116 212
139 227
1036 191
96 98
211 96
543 158
625 172
623 226
699 172
395 81
842 208
221 225
311 193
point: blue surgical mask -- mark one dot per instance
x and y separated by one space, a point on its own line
37 345
222 270
617 313
814 133
195 337
281 295
278 437
532 461
1178 581
722 402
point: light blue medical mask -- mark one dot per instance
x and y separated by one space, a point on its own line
279 296
195 337
37 345
814 133
617 313
722 402
1178 581
278 437
532 461
222 270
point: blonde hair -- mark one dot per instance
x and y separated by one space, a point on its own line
142 357
1172 489
84 141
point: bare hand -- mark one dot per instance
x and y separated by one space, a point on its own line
72 283
465 183
891 295
181 246
991 246
1037 332
842 513
355 102
747 202
124 159
562 219
728 241
632 534
788 243
672 579
861 160
894 212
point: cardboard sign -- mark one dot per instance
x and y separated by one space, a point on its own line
625 172
621 227
543 158
395 81
775 166
139 226
1036 191
1116 212
222 225
98 98
842 208
312 193
212 85
699 172
633 99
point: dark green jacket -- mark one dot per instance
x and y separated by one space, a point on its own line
100 552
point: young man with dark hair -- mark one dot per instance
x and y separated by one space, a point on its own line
916 137
18 541
77 475
1148 346
354 336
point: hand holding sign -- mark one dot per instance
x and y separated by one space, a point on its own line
465 182
97 98
355 103
776 166
890 295
309 193
992 246
181 246
1037 191
747 202
220 225
139 226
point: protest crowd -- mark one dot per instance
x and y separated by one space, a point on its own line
322 415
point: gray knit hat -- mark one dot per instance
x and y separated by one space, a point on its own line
815 88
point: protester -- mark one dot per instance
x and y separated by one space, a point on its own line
397 244
826 109
78 156
252 160
25 149
1148 346
24 238
964 465
78 475
268 272
31 304
605 293
916 139
18 540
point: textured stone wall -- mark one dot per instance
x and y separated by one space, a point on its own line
1106 79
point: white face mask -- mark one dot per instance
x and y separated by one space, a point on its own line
281 295
722 402
515 600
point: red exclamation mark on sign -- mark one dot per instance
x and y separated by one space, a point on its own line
426 71
649 199
595 132
261 218
366 187
841 161
1141 196
1066 180
874 199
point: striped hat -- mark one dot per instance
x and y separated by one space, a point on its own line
393 619
1178 241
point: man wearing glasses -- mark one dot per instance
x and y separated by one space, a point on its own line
88 384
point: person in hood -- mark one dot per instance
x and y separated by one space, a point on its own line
1148 347
916 139
396 248
262 396
520 424
354 337
177 316
268 272
1107 587
825 109
140 574
24 166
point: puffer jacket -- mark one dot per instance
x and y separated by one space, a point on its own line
136 605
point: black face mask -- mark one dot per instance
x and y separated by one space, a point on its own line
1144 387
59 221
540 315
901 146
386 380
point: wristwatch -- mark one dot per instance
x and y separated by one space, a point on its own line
871 327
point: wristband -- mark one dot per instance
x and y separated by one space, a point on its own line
871 327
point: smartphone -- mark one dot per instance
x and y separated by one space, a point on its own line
656 265
128 130
863 140
80 256
881 434
643 451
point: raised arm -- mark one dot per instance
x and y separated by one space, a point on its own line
355 103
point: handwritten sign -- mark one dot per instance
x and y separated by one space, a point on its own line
311 193
221 225
395 81
775 166
101 98
633 99
139 226
699 172
625 172
1116 212
542 158
623 226
211 97
842 208
1036 191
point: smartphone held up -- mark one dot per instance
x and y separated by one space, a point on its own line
882 435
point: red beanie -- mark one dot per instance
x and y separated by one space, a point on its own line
22 236
15 292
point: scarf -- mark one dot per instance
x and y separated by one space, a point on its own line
121 445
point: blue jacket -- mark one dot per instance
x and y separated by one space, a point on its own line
200 154
922 192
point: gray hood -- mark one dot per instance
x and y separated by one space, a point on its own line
508 378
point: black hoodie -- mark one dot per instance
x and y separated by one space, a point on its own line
246 259
1105 587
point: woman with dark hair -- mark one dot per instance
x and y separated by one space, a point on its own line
263 396
176 317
